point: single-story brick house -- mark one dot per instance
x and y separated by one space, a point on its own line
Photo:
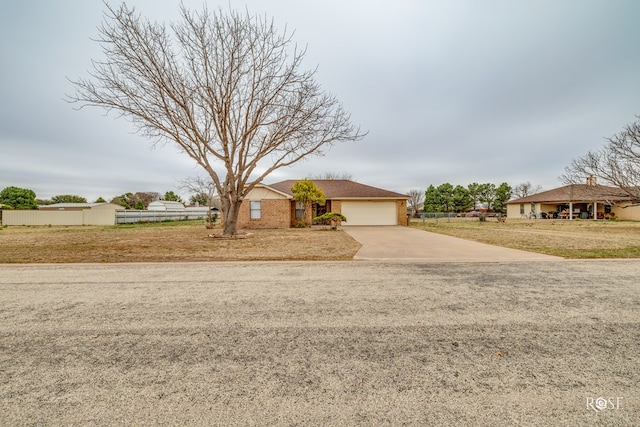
585 201
272 206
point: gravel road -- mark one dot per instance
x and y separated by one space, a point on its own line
348 343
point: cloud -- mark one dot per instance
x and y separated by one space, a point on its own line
456 91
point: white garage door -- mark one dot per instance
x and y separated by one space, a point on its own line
369 213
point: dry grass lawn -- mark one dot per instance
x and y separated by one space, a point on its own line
167 242
569 239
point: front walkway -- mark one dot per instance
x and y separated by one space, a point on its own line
397 243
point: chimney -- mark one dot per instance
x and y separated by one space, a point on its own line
591 181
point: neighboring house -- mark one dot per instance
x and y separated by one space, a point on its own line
272 206
79 206
165 205
577 201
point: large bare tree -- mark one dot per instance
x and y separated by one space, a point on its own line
227 87
616 164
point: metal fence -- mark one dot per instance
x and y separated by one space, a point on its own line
435 217
132 217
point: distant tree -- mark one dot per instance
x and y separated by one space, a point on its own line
474 194
487 195
334 175
145 197
525 189
170 196
201 199
305 193
416 200
205 189
18 198
617 164
432 200
461 199
446 197
124 200
100 200
139 205
43 202
227 88
68 198
502 195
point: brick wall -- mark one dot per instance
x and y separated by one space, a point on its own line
401 206
276 213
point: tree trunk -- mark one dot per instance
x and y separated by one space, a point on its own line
230 211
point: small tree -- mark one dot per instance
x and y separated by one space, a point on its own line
18 198
100 200
305 193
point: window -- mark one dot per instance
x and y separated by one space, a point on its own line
299 210
533 208
256 209
521 208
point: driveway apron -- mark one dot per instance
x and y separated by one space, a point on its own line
397 243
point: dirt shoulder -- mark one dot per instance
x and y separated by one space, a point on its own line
347 343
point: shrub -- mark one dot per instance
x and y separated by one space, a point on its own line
334 217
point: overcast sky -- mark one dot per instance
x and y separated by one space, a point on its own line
455 91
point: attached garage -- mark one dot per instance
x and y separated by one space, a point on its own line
370 212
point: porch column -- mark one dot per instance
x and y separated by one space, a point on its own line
570 210
595 210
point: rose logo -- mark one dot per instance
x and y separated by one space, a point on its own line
601 403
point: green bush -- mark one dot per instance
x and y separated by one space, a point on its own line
335 218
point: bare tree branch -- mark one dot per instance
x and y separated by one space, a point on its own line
416 200
617 164
227 88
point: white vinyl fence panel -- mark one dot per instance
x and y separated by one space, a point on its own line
34 217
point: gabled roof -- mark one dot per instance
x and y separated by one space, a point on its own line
341 189
577 193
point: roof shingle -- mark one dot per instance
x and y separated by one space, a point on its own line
342 189
576 193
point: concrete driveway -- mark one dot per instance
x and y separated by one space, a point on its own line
397 243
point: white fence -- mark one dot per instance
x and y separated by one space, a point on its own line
34 217
95 217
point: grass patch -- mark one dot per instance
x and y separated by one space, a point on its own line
569 239
168 242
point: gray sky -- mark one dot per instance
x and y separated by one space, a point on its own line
450 91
